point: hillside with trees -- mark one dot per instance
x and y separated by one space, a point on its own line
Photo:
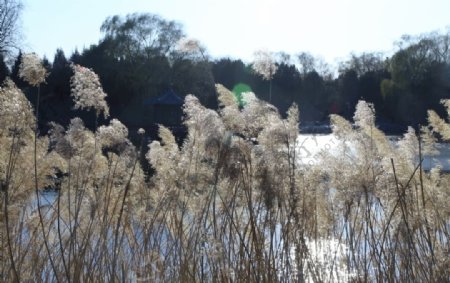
140 57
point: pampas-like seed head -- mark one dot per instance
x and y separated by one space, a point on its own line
264 64
87 90
31 69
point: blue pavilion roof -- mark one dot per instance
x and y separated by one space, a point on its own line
167 98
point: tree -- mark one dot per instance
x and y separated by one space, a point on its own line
15 71
9 31
229 72
191 48
348 92
133 59
141 35
313 88
364 63
307 63
287 77
419 76
196 78
58 80
56 103
4 71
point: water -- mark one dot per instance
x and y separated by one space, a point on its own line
310 145
442 159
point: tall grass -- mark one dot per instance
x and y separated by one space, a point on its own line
234 203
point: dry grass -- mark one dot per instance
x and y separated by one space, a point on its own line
232 204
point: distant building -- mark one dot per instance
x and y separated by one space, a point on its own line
165 109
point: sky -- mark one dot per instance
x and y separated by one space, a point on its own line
330 29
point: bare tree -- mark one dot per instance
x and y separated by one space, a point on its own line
9 33
364 63
307 63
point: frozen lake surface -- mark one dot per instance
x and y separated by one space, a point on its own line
328 255
309 145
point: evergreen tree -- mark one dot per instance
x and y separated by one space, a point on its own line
15 72
4 71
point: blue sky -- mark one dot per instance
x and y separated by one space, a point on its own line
236 28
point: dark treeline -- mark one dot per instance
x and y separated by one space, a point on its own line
138 58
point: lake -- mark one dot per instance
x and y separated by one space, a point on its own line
311 144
